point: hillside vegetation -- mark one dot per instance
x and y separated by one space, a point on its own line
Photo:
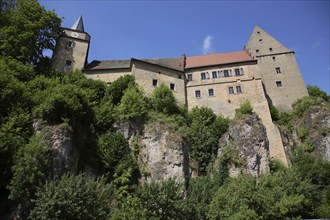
70 147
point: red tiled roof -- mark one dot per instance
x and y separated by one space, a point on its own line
217 59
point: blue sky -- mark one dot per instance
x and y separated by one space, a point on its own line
153 29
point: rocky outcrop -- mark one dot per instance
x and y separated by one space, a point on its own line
59 138
311 131
163 153
247 144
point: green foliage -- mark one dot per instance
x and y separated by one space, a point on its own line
276 165
204 132
104 117
132 105
244 109
12 67
30 169
315 91
164 200
116 89
30 29
73 197
112 147
275 114
14 133
65 101
163 100
301 105
94 89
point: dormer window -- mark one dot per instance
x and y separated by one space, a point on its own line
69 44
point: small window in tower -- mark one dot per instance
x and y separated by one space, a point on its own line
214 74
258 32
279 84
211 92
179 76
203 76
239 89
68 62
260 40
270 49
69 44
231 90
274 58
190 78
197 93
172 87
257 51
278 70
155 82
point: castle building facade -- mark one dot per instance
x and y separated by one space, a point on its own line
265 72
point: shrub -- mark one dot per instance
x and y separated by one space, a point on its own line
315 91
112 147
275 114
132 105
116 89
244 109
73 197
163 100
30 169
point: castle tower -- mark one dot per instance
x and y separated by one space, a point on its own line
71 48
280 73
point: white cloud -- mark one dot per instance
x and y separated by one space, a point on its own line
207 44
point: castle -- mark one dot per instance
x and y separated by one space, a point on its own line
264 72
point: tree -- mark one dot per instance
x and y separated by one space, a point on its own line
30 169
163 100
204 132
30 29
117 88
73 197
315 91
132 105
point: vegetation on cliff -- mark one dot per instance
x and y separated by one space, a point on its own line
106 182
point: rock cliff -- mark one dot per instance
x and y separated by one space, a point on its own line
311 131
248 146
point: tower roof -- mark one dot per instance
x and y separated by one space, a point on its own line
78 25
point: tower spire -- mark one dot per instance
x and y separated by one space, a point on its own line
78 25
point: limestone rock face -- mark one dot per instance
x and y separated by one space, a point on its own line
311 131
247 143
59 139
163 153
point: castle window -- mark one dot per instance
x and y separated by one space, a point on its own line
278 70
274 58
260 40
179 76
258 32
203 76
69 44
197 93
270 49
211 92
155 82
238 89
238 72
231 90
242 71
257 51
279 84
214 74
190 78
68 62
225 73
172 87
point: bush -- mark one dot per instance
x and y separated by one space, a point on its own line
117 88
112 148
163 100
132 105
275 114
315 91
204 131
244 109
30 169
73 197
